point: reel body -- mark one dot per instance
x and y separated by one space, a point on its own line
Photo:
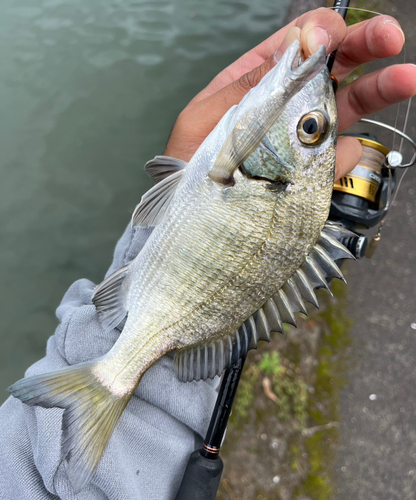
361 199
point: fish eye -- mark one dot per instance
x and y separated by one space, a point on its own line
312 128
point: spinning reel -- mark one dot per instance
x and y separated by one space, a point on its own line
362 198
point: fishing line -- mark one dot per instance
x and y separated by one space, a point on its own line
396 121
356 8
405 169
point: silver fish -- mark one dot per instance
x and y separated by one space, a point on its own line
240 241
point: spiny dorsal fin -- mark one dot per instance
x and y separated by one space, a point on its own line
305 288
285 308
163 166
262 326
206 361
155 203
294 295
273 316
108 299
337 230
315 274
326 263
334 247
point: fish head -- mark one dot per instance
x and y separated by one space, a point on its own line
299 148
284 127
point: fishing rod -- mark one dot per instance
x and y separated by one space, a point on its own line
360 198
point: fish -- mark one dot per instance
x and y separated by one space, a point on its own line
240 241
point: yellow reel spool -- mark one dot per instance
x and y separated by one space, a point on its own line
365 179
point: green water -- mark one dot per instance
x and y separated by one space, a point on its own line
88 92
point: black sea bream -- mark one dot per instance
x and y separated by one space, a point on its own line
240 239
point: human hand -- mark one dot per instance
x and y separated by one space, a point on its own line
376 38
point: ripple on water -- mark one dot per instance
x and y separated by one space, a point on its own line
140 29
27 12
53 23
107 58
78 79
149 59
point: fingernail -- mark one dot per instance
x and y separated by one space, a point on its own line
316 37
394 23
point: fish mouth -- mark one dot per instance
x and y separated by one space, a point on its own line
304 69
298 60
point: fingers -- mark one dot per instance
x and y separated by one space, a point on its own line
374 92
248 70
349 152
202 114
368 94
376 38
323 27
318 27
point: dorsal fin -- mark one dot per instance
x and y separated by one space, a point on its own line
285 307
273 316
207 360
163 166
155 203
326 263
262 326
315 274
305 288
295 296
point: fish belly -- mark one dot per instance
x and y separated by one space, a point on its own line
212 274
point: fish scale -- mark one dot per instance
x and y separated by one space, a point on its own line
232 256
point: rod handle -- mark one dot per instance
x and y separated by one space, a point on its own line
201 479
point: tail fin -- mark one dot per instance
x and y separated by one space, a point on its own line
91 413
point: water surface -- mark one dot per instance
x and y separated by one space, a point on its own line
89 91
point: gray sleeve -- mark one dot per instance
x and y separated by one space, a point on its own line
146 456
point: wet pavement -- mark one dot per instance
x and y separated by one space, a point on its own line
377 455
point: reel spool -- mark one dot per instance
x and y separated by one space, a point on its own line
359 198
364 181
362 197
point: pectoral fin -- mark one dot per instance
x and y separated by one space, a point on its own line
163 166
155 203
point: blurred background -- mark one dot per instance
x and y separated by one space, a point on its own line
89 91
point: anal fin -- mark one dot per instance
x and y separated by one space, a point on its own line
108 298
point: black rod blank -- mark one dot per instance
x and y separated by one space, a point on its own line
341 7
